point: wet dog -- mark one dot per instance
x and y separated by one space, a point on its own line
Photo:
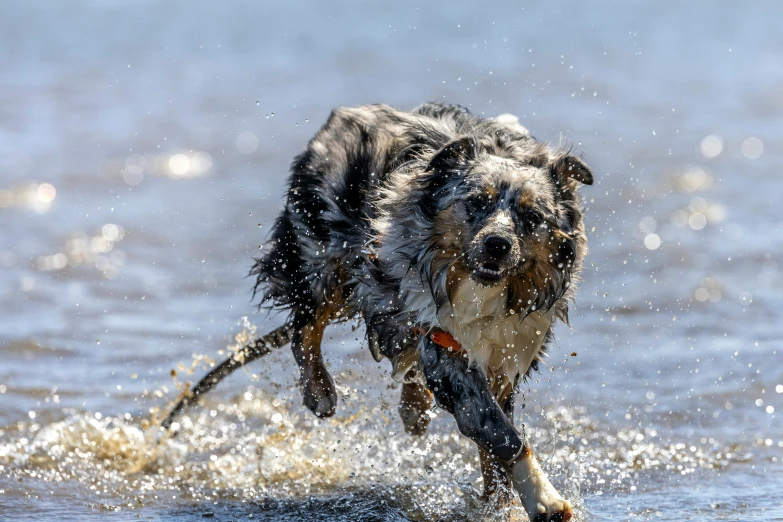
457 240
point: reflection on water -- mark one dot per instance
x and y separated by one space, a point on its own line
31 195
143 153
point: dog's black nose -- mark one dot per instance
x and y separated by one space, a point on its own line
497 246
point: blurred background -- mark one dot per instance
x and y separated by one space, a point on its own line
144 148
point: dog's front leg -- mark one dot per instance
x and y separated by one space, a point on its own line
463 390
497 479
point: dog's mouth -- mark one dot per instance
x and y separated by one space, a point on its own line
489 273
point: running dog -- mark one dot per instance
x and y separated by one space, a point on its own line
458 240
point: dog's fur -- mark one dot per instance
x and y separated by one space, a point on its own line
434 220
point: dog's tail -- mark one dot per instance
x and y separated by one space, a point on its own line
250 352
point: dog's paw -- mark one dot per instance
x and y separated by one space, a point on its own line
415 403
539 497
556 510
414 421
318 393
321 405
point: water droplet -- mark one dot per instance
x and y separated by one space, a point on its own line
652 241
247 142
752 148
697 221
711 146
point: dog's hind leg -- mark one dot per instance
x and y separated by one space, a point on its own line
415 402
318 391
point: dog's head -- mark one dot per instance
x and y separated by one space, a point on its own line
506 213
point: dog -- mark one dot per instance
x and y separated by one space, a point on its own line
458 240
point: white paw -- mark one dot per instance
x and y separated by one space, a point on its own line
555 510
541 500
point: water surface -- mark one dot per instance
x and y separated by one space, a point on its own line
143 153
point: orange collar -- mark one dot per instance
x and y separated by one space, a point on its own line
442 338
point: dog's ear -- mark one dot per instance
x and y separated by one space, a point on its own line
566 167
453 155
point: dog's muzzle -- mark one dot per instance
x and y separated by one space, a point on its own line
496 252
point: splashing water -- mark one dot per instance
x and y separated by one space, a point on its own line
254 448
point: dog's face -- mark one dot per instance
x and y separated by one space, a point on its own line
501 214
511 218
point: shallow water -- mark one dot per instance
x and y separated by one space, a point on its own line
143 152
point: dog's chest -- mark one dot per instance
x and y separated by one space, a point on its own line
496 340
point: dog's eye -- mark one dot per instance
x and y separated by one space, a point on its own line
475 204
532 218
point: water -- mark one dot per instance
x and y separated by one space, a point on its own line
132 199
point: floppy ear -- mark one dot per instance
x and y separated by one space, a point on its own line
567 167
453 155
